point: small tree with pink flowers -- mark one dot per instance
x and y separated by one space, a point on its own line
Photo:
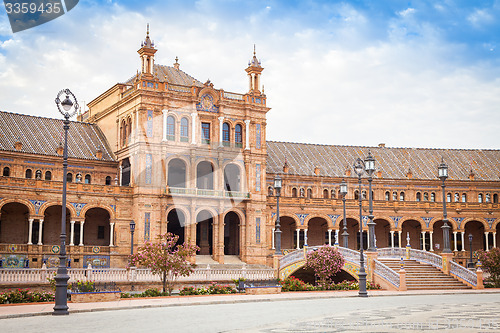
325 262
166 259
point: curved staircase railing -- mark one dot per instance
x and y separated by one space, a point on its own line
463 273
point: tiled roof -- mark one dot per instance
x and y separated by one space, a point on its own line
394 163
43 136
171 75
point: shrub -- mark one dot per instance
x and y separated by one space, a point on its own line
219 289
83 286
25 296
293 284
325 262
491 263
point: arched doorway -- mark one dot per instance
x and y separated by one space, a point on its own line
204 232
126 172
14 224
232 178
205 176
317 232
175 224
382 233
52 225
231 234
437 237
476 229
96 228
413 229
176 173
287 226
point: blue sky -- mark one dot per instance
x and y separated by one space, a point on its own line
408 74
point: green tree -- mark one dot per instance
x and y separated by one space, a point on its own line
166 259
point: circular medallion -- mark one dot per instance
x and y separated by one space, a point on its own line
55 249
13 248
96 249
207 101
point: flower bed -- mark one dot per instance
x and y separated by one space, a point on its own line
25 296
293 284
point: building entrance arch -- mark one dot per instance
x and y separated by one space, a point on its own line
231 234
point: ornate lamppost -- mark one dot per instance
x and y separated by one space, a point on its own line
443 174
62 277
471 263
370 169
343 192
132 228
277 231
359 169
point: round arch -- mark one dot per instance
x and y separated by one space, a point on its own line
435 220
323 216
232 177
69 208
177 171
205 218
184 211
28 204
205 174
88 207
411 218
292 216
478 219
387 219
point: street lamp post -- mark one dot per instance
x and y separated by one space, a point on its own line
470 250
359 169
62 277
370 169
343 192
443 174
132 228
277 231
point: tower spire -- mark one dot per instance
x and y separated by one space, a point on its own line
254 71
147 52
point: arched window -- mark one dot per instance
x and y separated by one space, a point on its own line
108 180
387 196
325 193
333 194
28 173
87 179
426 196
395 196
6 172
488 197
356 195
129 129
363 195
170 128
69 177
78 178
448 197
123 132
479 197
464 197
433 197
309 193
294 192
48 175
38 174
419 196
302 194
184 130
238 135
495 198
270 191
456 197
226 135
402 196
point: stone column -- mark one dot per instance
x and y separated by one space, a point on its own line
40 231
423 241
272 239
81 232
392 238
220 246
494 239
455 241
329 237
463 240
72 233
193 127
247 134
399 237
431 245
30 231
298 239
486 234
221 121
305 237
111 232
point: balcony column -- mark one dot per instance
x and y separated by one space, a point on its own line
455 241
423 241
221 121
81 232
111 232
298 239
463 240
247 134
431 245
40 230
399 237
392 238
30 231
329 237
193 127
486 234
272 239
494 239
305 237
72 233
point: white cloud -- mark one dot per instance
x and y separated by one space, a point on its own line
480 17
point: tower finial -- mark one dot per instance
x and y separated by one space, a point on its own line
253 49
147 32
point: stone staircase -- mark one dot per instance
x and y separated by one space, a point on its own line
422 276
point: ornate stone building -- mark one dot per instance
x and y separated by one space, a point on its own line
174 154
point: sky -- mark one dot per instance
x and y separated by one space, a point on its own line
408 74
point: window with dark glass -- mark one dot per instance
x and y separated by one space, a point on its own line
48 175
325 193
238 135
479 197
419 196
170 128
387 196
488 197
87 179
205 132
108 180
294 192
426 196
309 193
28 173
402 196
69 177
6 172
495 198
226 134
184 130
464 197
433 197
